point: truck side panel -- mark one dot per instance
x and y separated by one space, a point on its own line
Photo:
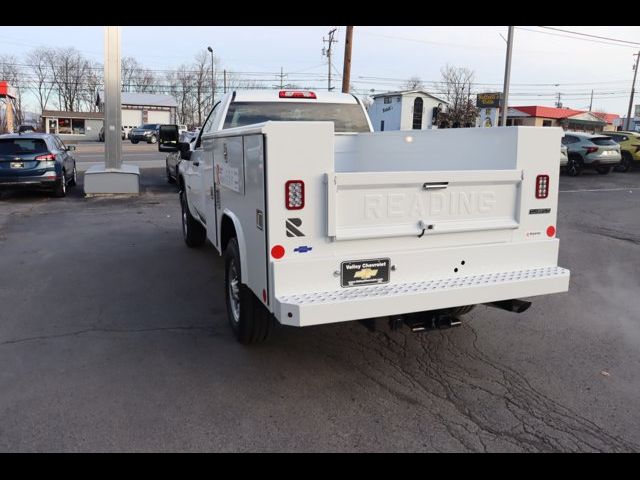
239 178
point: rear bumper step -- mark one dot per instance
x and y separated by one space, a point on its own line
358 303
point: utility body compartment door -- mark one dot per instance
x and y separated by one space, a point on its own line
239 178
392 204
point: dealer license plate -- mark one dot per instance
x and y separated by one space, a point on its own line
364 272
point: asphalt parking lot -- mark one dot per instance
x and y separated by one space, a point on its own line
113 337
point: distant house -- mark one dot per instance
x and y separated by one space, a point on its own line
137 109
567 118
404 110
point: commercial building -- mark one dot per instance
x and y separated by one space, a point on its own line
567 118
404 110
73 125
137 109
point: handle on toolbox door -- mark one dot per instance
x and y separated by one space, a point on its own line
435 185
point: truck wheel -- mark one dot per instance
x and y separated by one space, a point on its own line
603 170
193 232
153 139
625 163
574 166
462 310
170 179
134 141
249 319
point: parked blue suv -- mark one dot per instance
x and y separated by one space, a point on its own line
36 161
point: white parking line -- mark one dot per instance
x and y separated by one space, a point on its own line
600 190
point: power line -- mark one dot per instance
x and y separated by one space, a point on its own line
574 38
589 35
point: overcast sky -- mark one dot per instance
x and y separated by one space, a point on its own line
544 62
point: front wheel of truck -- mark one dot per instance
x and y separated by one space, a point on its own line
249 319
193 232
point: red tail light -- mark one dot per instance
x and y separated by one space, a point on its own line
296 94
48 156
542 186
294 194
591 149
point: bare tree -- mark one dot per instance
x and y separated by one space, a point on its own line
414 83
146 82
455 86
70 70
202 83
129 71
91 84
181 86
41 84
136 78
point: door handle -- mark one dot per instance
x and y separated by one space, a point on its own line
435 185
196 164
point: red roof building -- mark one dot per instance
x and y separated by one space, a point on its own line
567 118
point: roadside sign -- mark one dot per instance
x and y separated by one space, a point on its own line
489 100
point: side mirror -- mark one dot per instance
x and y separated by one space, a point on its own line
71 147
168 136
185 150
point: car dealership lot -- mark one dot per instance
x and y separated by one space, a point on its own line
109 342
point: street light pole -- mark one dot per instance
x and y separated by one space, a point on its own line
507 76
213 83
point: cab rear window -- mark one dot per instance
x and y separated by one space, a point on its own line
345 117
18 146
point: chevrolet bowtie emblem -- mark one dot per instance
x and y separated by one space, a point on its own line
366 273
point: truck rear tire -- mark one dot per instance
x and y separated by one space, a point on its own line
193 232
249 319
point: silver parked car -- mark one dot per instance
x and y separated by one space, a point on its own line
586 150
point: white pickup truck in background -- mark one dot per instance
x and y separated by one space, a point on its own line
322 220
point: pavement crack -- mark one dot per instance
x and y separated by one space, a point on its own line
101 330
611 233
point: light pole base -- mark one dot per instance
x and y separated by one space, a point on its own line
99 180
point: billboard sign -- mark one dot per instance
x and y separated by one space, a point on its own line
489 100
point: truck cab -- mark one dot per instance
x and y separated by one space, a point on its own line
322 220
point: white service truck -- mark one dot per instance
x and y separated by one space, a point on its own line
321 220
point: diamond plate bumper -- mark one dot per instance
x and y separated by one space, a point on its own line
356 303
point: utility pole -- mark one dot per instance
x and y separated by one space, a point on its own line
591 101
327 52
346 69
507 77
559 101
633 90
224 81
281 76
